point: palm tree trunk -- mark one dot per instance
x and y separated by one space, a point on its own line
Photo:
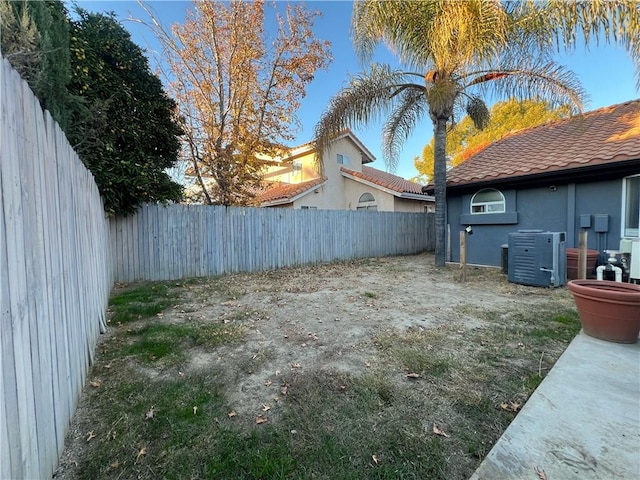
440 183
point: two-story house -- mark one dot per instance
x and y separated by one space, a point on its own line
346 183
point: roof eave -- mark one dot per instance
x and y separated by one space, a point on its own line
395 193
590 173
282 201
417 196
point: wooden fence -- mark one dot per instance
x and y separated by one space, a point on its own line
177 241
56 276
59 256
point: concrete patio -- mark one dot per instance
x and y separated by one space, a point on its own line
582 422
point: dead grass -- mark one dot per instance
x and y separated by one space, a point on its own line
383 368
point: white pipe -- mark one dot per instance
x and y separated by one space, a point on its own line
602 268
618 271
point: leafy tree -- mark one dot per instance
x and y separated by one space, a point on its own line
34 37
455 52
125 131
238 89
465 139
97 85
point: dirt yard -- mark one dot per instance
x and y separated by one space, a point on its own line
332 318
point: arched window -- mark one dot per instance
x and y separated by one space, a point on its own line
366 197
367 202
488 200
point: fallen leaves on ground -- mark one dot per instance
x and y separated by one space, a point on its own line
90 436
149 414
260 419
95 383
412 375
141 453
439 431
511 406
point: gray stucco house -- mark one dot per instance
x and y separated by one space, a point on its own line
578 173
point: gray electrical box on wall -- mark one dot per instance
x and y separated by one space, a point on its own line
585 221
538 258
601 223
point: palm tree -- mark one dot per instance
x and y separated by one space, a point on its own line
457 51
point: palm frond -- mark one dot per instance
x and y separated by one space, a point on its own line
548 82
401 26
444 34
408 112
367 97
553 25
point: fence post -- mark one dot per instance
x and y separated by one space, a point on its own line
582 255
463 255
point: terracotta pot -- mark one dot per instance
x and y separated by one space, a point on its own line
572 263
608 310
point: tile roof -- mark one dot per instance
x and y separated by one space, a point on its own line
385 180
282 192
608 135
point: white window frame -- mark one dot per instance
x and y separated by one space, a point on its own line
367 204
628 232
487 205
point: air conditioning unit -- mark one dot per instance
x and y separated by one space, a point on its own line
538 258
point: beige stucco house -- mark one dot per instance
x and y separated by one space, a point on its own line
346 182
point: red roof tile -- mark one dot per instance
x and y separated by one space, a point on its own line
606 135
288 191
385 180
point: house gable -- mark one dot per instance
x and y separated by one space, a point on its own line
289 193
392 184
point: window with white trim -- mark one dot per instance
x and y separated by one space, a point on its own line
367 202
343 159
631 206
488 200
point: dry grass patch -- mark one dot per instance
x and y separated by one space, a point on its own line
383 368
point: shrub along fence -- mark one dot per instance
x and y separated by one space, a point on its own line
56 278
176 241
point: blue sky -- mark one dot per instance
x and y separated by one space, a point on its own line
606 72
